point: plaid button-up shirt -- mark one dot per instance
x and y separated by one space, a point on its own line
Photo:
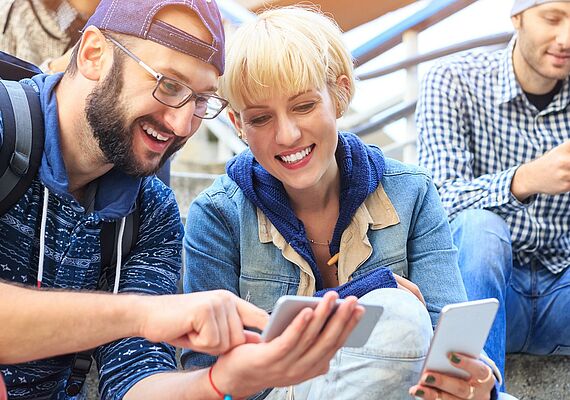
476 127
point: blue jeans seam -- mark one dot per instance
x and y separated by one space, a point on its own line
533 297
385 357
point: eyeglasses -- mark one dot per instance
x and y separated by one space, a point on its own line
176 94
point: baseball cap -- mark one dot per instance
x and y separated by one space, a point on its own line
521 5
136 18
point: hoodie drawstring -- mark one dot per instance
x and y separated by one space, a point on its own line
43 239
119 255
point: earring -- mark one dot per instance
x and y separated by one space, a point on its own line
242 136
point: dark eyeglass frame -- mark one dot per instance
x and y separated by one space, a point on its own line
160 79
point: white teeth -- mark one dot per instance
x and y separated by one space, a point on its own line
295 157
152 132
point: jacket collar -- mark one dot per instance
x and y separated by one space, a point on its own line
508 87
377 212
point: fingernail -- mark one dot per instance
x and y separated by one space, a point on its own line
454 359
430 379
420 393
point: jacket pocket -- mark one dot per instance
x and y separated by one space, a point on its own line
264 292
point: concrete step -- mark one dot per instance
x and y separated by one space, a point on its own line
531 377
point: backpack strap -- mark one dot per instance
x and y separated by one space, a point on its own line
14 69
22 141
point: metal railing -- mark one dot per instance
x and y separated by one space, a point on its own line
434 12
407 109
497 39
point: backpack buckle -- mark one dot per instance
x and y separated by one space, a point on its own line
19 163
79 369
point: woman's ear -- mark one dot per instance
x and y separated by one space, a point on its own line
92 55
236 122
342 95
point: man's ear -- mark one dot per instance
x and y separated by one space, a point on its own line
93 57
236 122
517 21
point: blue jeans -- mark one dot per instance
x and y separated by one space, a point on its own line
533 314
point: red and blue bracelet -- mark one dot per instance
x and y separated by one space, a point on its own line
218 392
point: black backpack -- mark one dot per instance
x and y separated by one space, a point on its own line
20 159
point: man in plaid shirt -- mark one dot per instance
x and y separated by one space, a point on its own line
493 131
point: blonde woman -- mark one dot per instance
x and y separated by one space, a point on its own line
307 209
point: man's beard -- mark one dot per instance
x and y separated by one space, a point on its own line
107 118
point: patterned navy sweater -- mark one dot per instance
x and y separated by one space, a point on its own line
72 261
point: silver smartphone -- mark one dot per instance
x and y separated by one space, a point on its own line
287 308
462 328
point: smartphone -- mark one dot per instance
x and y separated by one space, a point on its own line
287 308
462 328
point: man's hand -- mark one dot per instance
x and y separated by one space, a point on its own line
208 322
548 174
302 352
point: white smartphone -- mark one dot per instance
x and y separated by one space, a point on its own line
287 308
462 328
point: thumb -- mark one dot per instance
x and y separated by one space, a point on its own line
252 337
251 315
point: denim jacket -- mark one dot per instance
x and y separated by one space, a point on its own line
231 245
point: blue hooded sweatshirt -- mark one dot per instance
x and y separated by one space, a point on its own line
72 259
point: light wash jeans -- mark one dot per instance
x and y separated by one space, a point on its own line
533 313
389 363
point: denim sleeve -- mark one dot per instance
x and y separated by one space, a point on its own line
212 255
444 148
432 257
152 268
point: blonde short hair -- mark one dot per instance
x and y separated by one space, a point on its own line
286 51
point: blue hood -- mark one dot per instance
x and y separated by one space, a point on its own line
117 192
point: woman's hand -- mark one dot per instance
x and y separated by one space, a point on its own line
409 286
438 386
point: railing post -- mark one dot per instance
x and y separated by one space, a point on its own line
410 42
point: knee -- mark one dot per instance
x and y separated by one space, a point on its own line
404 329
481 225
483 240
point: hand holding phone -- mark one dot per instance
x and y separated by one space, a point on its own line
287 308
462 328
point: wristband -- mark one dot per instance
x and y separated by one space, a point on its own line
218 392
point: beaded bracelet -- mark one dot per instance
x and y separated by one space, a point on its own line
218 392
